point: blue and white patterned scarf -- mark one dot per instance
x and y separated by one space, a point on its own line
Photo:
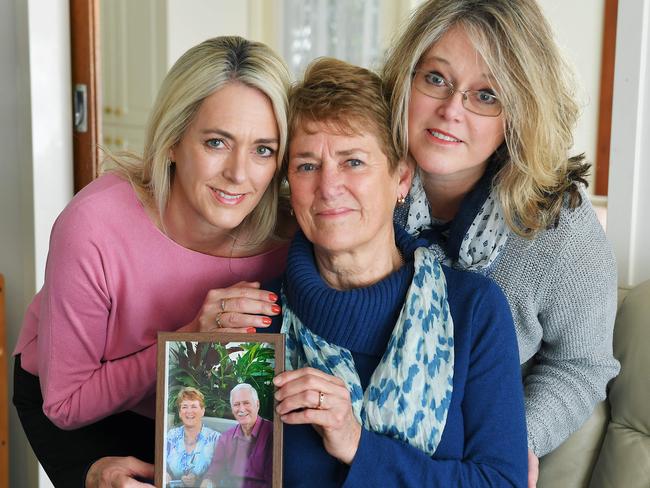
481 244
409 393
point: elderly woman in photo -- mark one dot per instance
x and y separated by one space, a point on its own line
484 104
190 446
404 372
243 456
176 240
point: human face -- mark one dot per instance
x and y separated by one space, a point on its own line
245 408
342 190
447 141
225 161
191 413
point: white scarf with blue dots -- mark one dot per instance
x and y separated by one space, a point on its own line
409 393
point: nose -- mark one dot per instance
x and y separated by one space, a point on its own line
452 107
235 166
330 184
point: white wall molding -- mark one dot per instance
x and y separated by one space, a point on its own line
629 174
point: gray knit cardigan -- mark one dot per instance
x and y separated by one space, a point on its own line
561 287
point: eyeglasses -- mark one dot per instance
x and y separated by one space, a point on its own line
480 102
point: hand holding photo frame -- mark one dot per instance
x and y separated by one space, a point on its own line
216 424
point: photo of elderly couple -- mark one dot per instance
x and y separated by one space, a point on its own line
219 432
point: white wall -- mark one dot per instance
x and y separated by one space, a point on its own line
578 27
629 172
190 22
35 169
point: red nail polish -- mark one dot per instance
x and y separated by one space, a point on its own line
251 330
273 297
266 320
275 308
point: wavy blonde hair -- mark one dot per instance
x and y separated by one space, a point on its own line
535 85
197 74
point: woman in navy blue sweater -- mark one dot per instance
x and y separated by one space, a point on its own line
403 372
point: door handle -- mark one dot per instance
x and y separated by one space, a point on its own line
80 108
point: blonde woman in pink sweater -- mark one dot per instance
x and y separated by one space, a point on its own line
176 240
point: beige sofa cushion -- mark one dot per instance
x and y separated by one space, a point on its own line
571 464
624 459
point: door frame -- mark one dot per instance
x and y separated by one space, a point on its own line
86 69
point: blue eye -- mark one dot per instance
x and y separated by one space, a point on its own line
486 97
264 151
435 78
215 143
354 163
306 167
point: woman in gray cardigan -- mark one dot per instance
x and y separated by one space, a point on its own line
486 111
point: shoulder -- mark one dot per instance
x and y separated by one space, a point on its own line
467 287
106 199
209 433
479 309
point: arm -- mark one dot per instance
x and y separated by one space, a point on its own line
575 361
78 386
494 430
77 326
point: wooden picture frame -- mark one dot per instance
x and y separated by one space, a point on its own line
213 364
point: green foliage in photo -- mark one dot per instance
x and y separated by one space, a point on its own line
214 369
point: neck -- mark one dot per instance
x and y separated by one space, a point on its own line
358 268
248 429
446 194
191 433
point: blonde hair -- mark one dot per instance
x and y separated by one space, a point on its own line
346 97
535 86
189 393
198 73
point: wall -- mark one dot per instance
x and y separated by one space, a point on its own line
192 21
35 169
629 171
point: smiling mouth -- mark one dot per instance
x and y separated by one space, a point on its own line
226 197
442 136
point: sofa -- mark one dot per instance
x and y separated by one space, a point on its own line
612 449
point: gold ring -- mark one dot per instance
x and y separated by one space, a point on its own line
321 400
218 320
223 304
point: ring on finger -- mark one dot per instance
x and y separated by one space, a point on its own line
218 320
321 400
223 304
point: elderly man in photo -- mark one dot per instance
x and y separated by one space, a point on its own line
243 455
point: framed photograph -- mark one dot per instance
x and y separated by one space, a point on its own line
215 419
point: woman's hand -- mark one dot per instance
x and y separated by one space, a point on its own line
239 308
113 472
309 396
533 469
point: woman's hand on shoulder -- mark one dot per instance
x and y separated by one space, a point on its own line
242 307
113 472
309 396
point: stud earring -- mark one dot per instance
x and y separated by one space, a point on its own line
401 200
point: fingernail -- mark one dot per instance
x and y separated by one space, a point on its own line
266 320
277 381
273 297
251 330
275 308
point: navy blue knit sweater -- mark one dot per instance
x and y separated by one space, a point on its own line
484 440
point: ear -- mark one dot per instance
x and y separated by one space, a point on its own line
405 171
171 154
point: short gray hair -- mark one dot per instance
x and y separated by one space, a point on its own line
244 386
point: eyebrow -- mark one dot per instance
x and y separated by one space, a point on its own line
230 136
487 76
345 152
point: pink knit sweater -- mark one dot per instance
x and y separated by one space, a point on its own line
112 281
